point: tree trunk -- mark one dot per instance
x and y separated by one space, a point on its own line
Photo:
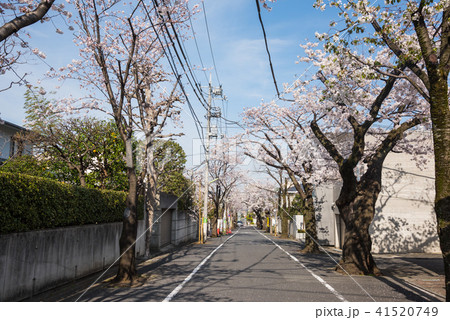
310 221
357 208
151 201
214 225
440 116
283 213
278 212
305 191
127 243
259 219
284 224
151 205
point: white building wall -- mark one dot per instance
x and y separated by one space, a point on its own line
405 220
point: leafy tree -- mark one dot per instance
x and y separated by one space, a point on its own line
85 152
82 151
29 165
109 167
297 205
170 157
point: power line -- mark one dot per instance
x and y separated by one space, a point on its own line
183 60
268 53
196 45
172 64
189 71
183 54
210 45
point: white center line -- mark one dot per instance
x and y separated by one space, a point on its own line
323 282
189 277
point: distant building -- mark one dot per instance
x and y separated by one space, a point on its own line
9 145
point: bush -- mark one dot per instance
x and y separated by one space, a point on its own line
32 203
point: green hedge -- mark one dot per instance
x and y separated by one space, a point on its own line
32 203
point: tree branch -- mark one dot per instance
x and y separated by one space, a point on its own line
327 144
25 20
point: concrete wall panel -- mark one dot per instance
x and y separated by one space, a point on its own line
31 262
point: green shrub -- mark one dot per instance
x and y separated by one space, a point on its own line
32 203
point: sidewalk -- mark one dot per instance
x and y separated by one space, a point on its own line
420 273
423 271
413 271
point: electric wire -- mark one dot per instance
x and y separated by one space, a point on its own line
172 64
196 45
195 88
268 54
185 64
210 44
187 60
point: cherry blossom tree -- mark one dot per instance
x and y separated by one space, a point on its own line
223 167
260 198
32 11
358 116
121 71
414 35
155 112
283 204
235 203
277 138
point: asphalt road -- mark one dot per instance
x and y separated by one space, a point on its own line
246 266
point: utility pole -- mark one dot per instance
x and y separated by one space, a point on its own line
211 91
208 137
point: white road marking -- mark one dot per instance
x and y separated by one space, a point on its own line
189 277
323 282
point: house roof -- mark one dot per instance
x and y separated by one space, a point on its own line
11 125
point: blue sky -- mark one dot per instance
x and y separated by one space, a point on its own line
238 46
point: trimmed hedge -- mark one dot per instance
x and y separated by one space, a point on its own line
32 203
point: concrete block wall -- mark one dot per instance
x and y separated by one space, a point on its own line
185 227
155 240
325 217
31 262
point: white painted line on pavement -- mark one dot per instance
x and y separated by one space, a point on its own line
189 277
323 282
